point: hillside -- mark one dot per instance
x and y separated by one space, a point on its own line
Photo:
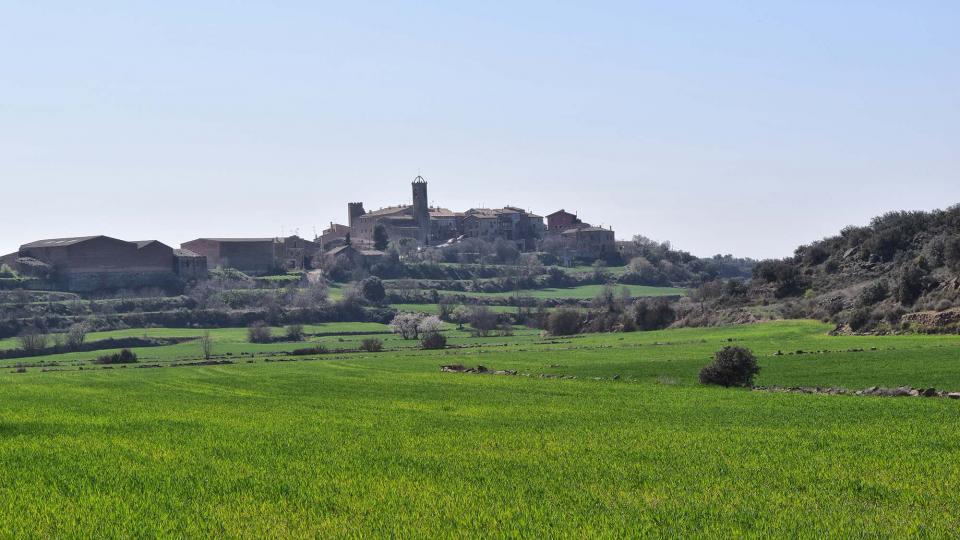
900 272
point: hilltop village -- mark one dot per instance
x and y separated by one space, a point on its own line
98 262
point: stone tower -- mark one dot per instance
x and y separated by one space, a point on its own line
354 210
421 208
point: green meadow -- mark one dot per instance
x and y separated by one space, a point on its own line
582 292
352 444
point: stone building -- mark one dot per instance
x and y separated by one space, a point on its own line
361 258
431 225
249 255
333 236
573 239
189 265
90 263
410 222
589 243
295 253
257 256
562 220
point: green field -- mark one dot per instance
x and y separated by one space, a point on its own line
433 309
583 292
360 444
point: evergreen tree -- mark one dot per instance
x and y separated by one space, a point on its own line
380 238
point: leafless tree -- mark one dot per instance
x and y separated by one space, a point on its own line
206 345
32 340
76 335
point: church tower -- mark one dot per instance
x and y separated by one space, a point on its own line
421 208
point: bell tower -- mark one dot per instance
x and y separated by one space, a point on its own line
421 208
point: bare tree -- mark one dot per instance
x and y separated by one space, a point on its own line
76 335
206 345
259 332
32 341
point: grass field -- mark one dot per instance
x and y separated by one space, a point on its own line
384 444
433 309
583 292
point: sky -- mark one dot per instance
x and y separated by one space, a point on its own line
734 127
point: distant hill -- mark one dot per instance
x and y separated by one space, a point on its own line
900 272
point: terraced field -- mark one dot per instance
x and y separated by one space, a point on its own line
384 444
583 292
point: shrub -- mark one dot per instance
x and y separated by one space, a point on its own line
433 340
873 294
482 321
732 366
564 322
371 345
125 356
860 318
259 332
371 289
318 349
653 313
295 332
783 274
910 284
951 252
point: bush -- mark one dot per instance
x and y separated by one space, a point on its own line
126 356
910 284
951 252
371 345
318 349
873 294
860 318
784 275
371 289
564 322
732 366
653 313
482 321
433 340
295 332
259 332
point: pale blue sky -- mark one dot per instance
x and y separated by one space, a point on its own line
731 127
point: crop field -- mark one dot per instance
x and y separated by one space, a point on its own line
383 444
